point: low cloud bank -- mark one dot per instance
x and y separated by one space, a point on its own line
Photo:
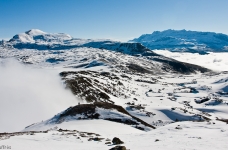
214 61
29 95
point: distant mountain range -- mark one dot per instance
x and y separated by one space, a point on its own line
38 47
172 40
185 41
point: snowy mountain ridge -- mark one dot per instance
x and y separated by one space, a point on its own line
185 41
40 40
38 36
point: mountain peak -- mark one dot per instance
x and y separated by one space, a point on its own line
34 32
38 36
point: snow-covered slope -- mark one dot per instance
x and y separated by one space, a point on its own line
173 110
183 40
98 110
98 135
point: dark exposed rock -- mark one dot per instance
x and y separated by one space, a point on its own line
157 140
146 81
205 99
95 139
91 89
108 143
223 120
83 87
178 127
117 141
137 68
118 148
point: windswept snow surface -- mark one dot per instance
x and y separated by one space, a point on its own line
189 135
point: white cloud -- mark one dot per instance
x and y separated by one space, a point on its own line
29 95
214 61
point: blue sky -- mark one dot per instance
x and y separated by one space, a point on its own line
114 19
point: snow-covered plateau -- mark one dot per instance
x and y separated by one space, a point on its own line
60 92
